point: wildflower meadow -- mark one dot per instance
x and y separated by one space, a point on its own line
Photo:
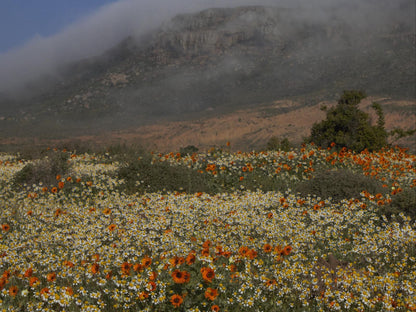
210 231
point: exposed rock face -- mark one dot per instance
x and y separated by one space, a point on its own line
216 30
213 30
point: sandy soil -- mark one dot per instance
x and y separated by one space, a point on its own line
247 129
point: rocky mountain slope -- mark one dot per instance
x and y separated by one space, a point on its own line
214 62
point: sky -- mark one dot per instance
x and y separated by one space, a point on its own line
37 36
22 20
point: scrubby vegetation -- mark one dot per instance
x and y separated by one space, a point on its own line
347 126
43 170
338 184
308 229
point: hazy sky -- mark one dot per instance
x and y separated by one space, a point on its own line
38 35
22 20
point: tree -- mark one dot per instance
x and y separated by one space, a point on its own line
347 126
275 144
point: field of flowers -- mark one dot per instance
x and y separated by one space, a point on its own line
84 243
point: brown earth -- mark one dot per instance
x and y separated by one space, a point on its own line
251 128
247 129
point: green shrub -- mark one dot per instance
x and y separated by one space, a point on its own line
188 150
141 175
338 184
347 126
275 144
404 202
43 170
264 182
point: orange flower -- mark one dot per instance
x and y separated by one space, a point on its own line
51 277
28 272
3 282
88 183
206 244
143 295
61 185
54 190
13 291
243 250
68 264
107 211
175 261
287 250
270 283
267 248
44 292
109 275
270 215
146 261
95 268
180 277
190 259
208 274
205 252
125 268
44 189
112 227
151 286
152 276
176 300
33 281
211 293
252 254
137 267
5 227
215 308
58 177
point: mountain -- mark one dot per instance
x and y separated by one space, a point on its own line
214 62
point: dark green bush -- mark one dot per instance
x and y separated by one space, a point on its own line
141 175
188 150
404 201
43 171
262 181
275 144
347 126
338 184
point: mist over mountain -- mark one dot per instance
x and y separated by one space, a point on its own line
220 58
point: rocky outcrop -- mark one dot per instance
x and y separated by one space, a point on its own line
216 30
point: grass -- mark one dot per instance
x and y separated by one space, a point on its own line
125 230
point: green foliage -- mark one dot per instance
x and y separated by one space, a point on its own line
43 170
338 184
403 202
142 175
347 126
188 150
400 133
276 143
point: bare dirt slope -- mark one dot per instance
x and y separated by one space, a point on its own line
252 128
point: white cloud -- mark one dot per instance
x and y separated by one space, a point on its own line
112 23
